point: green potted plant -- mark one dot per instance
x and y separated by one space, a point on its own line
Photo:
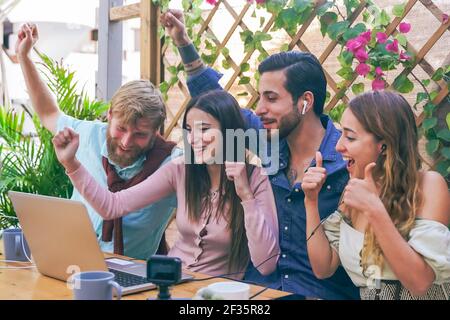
28 162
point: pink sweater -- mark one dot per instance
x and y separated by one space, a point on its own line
210 256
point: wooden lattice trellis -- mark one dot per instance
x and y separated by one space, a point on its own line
151 69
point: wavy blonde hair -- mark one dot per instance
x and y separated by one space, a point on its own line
388 116
139 99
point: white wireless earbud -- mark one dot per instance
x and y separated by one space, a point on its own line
305 104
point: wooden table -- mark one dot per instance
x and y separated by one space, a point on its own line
29 284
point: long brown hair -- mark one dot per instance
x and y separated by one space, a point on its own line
225 109
388 116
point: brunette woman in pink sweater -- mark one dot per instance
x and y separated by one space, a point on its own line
226 212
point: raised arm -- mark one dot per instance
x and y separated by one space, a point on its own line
41 98
108 204
200 78
323 258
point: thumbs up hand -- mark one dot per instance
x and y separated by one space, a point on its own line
314 179
362 194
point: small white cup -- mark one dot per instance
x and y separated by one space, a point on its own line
230 290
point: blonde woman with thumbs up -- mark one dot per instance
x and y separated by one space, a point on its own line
390 232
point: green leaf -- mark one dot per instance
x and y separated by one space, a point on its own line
209 45
303 16
345 58
287 19
350 5
209 58
447 119
447 69
426 82
402 84
421 96
444 134
284 47
340 85
382 19
246 36
443 167
173 80
225 64
262 36
429 123
262 20
245 67
225 52
432 146
398 10
429 108
438 75
336 113
366 16
337 29
262 57
446 152
358 88
327 97
250 46
302 5
325 20
354 32
186 4
345 73
244 80
324 8
172 69
275 6
401 39
433 95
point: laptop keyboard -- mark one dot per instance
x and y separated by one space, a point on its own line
127 279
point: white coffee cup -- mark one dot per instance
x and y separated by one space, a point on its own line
230 290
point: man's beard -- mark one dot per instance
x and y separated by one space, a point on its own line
289 122
131 155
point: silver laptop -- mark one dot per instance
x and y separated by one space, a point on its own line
62 241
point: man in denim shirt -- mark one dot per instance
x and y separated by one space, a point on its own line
292 92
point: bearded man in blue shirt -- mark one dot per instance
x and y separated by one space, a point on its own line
292 90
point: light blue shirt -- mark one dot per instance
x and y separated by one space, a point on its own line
142 229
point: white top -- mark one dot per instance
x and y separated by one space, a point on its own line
429 238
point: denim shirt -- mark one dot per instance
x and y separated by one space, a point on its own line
294 272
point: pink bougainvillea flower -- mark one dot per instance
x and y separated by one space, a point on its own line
381 37
404 56
444 18
260 1
404 27
361 55
355 44
212 2
362 69
378 84
379 72
393 46
367 36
